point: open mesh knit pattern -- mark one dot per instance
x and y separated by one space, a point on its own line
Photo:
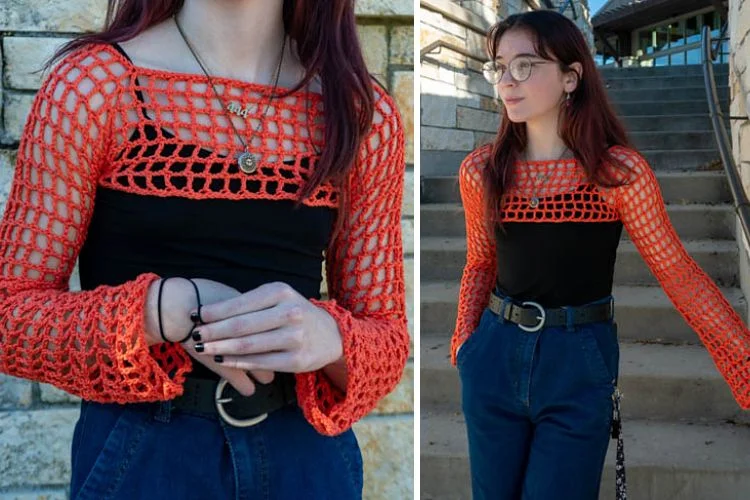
640 207
92 343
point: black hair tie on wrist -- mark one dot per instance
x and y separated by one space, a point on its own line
158 307
197 296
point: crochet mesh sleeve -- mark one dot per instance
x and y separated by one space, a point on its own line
693 293
88 343
364 267
481 264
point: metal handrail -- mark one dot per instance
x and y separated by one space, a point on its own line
722 37
741 203
564 6
549 4
439 44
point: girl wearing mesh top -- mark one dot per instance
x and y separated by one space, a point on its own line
200 158
535 341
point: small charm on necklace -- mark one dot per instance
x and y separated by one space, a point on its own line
238 110
247 162
534 202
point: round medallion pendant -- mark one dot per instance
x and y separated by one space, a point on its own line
247 162
534 202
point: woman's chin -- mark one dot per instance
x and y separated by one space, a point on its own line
517 117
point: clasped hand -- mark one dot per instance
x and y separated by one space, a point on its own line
270 328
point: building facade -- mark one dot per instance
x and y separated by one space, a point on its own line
656 32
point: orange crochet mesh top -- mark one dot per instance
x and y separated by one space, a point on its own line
86 135
640 206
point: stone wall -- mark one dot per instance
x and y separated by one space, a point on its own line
36 420
739 84
459 111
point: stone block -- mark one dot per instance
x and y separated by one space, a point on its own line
407 209
35 447
23 56
482 138
374 42
51 394
438 110
444 139
15 393
403 91
49 15
402 45
474 119
437 21
407 234
401 400
40 494
7 168
384 8
16 112
387 445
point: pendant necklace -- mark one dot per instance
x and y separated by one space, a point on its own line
540 180
247 161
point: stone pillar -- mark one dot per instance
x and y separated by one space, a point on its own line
739 84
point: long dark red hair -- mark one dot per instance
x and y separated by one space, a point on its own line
328 47
588 126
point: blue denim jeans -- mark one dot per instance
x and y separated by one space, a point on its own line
150 451
538 408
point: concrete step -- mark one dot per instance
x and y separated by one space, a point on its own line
660 107
658 382
664 461
643 313
692 222
693 93
668 123
674 140
435 163
676 187
443 259
692 72
661 82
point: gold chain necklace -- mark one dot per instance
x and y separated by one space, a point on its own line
247 161
541 179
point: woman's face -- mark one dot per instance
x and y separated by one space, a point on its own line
541 95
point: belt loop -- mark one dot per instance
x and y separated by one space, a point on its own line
569 327
163 412
501 317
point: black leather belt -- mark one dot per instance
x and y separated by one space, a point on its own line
532 317
219 398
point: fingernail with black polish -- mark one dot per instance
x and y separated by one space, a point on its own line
197 336
219 358
199 347
194 317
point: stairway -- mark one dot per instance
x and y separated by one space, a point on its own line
685 437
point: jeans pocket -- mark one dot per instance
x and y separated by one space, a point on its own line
106 454
468 344
348 448
602 352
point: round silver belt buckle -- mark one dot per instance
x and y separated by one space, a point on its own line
542 318
236 422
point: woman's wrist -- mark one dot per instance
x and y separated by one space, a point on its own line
170 316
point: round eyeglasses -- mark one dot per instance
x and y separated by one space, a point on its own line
520 69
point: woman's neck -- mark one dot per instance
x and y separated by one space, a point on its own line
238 37
544 142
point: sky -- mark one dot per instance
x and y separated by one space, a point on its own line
595 5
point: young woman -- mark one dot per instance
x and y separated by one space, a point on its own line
199 158
545 208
